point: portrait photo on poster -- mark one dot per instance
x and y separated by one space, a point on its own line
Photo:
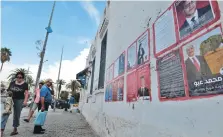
131 56
131 87
143 48
121 66
120 89
203 59
164 33
143 83
170 76
192 15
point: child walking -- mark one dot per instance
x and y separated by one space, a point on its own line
7 111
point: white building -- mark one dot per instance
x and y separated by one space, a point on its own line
171 109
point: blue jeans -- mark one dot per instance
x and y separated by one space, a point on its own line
4 120
17 109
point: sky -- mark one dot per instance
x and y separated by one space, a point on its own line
74 26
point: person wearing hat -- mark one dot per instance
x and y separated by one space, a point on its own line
36 102
45 101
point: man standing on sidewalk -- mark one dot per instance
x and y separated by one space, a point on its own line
45 101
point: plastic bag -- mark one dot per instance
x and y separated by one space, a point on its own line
40 118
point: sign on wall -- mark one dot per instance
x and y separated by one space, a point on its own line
131 86
115 91
120 89
143 83
108 93
131 56
109 73
143 48
192 15
170 76
121 66
116 68
139 85
203 60
164 32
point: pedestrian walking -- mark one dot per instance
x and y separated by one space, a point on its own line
45 101
19 89
7 111
35 103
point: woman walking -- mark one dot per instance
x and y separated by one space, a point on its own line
35 103
19 89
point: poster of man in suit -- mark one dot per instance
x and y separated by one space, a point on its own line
192 15
203 63
143 91
142 48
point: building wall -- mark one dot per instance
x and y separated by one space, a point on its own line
189 118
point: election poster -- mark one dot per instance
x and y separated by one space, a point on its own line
132 87
143 83
143 48
131 56
120 89
192 15
108 93
116 68
170 76
121 65
115 90
164 32
203 60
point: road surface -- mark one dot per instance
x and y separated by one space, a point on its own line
58 124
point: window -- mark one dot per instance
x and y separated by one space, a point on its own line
92 76
102 62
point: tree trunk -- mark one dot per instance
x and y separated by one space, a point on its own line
1 67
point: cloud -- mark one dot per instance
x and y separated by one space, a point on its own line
84 41
69 68
91 10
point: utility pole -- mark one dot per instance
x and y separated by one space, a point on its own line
61 58
49 30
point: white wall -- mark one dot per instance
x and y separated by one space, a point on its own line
190 118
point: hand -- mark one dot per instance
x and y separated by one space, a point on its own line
24 103
42 108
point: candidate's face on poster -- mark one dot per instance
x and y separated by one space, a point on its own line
192 15
203 59
189 8
142 49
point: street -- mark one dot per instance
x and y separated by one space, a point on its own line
58 124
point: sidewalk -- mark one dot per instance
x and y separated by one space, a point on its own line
58 124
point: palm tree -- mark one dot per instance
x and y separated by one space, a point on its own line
28 78
60 82
5 56
73 85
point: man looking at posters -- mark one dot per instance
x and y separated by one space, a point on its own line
196 66
194 17
143 92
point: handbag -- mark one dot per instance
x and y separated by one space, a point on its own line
40 118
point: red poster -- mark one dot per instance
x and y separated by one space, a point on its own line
143 83
115 90
120 89
131 87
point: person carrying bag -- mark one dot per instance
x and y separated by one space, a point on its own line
40 118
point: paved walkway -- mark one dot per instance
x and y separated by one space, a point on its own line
58 124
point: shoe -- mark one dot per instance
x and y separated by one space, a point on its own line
26 120
14 133
43 129
38 132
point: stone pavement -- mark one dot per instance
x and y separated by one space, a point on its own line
58 124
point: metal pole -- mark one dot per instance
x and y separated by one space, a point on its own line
44 49
61 57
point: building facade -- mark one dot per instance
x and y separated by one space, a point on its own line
156 70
